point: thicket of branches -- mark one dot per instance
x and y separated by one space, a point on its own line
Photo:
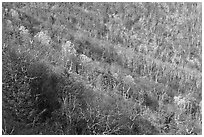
101 68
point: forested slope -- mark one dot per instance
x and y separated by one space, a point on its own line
102 68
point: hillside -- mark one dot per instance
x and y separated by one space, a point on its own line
102 68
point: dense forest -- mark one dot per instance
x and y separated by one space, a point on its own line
101 68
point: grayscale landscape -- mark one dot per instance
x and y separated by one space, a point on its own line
101 68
